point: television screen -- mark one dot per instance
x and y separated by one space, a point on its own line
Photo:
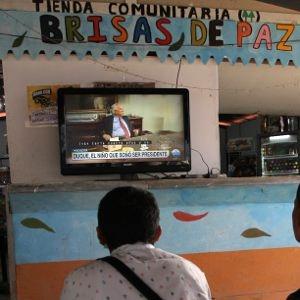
123 130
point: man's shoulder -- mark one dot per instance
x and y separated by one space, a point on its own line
77 281
179 261
109 118
187 271
87 270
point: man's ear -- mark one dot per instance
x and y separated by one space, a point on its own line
101 236
157 234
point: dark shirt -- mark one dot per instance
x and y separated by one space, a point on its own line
108 124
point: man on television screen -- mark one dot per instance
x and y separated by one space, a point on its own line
116 125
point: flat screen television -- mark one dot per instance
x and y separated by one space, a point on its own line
124 130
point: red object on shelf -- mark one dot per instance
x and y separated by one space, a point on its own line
2 114
240 120
223 123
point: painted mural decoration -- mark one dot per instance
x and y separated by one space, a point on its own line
188 217
251 233
34 223
66 27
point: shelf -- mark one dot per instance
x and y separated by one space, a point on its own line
241 151
280 156
293 172
276 143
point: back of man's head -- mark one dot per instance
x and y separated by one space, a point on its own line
127 215
296 215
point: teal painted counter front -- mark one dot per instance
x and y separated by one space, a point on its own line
59 224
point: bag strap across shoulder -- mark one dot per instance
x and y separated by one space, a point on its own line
138 283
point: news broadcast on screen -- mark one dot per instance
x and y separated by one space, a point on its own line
123 127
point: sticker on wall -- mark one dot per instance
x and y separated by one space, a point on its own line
34 223
187 217
42 104
254 233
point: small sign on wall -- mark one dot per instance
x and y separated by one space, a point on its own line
42 104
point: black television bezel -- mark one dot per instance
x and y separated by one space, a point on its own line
119 168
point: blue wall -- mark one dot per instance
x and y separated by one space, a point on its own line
231 211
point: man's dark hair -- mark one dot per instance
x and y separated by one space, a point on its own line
127 215
294 296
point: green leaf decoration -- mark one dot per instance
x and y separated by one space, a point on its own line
36 224
177 45
251 233
245 14
19 40
251 15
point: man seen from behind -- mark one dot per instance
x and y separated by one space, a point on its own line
128 224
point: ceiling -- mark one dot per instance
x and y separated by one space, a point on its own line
294 5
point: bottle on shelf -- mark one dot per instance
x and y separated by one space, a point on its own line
281 123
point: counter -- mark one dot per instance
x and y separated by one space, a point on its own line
155 183
241 234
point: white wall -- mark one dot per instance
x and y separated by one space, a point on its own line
266 89
34 152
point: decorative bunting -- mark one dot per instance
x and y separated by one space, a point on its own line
95 34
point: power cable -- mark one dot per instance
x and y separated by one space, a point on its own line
178 73
208 171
